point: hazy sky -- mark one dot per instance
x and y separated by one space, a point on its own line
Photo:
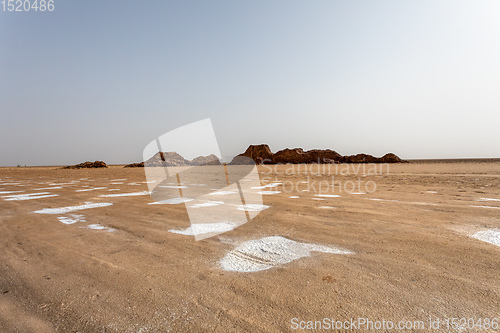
99 80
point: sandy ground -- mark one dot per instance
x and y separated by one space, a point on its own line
411 252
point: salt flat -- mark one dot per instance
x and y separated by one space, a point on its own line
75 257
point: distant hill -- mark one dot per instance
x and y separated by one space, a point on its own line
175 159
262 154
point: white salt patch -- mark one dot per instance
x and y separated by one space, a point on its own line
222 192
320 199
130 194
421 203
173 186
198 184
327 195
114 189
491 207
29 196
252 207
357 193
205 228
133 184
117 180
116 183
305 182
487 199
32 197
207 204
73 218
305 190
490 236
152 182
91 189
326 207
434 192
265 186
265 253
64 210
9 192
376 199
10 184
173 201
269 192
98 227
294 197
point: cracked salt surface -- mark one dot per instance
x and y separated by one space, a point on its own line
73 218
491 236
222 193
490 207
98 227
252 207
207 204
29 196
265 253
91 189
173 201
64 210
205 228
269 192
130 194
265 186
173 186
9 192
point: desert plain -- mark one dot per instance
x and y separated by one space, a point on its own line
421 241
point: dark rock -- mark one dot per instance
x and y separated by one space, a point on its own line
135 165
206 160
294 156
88 165
262 154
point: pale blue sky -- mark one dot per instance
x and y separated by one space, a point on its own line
98 80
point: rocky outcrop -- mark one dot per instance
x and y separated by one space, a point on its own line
295 156
392 158
87 165
162 159
135 165
205 160
262 154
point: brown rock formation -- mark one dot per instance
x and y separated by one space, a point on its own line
262 154
87 165
161 159
135 165
392 158
295 156
205 160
